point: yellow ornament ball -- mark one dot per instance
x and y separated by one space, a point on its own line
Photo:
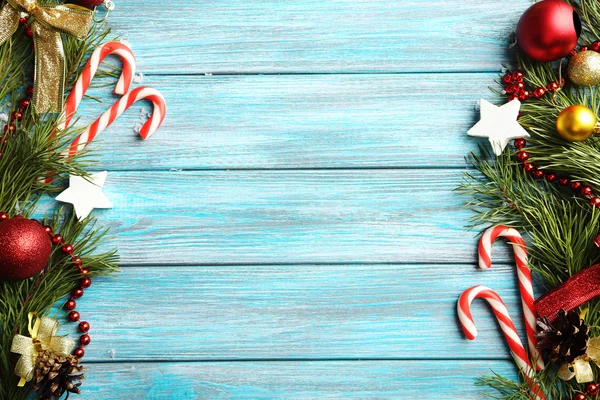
576 123
584 68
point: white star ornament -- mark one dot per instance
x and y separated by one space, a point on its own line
86 195
499 124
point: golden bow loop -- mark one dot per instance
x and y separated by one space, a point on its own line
580 368
48 23
43 337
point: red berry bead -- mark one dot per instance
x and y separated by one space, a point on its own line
16 116
586 191
70 304
563 181
579 396
23 20
29 32
74 316
595 201
552 86
524 95
9 129
507 78
551 177
537 174
520 143
84 340
79 352
583 48
57 239
48 229
77 293
538 93
67 249
86 283
84 326
595 46
576 186
519 86
3 216
522 156
512 97
517 76
30 91
528 167
592 389
77 261
24 103
84 271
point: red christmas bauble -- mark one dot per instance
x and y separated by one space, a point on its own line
548 30
87 3
26 249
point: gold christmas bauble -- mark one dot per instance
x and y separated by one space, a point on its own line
584 68
576 123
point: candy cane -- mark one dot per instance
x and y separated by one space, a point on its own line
137 94
90 69
523 274
506 325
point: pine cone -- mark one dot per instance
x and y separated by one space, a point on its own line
565 339
56 375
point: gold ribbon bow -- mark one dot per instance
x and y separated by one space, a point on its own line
49 21
580 368
43 337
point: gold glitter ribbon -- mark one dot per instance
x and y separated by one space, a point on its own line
48 23
42 333
580 368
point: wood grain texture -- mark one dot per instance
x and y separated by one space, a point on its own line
295 312
282 217
442 380
302 121
336 36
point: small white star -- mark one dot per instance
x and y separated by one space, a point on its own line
85 195
499 124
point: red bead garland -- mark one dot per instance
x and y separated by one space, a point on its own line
515 87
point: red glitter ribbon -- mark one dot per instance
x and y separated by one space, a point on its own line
578 289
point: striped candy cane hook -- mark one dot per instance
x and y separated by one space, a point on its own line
506 325
137 94
90 69
523 275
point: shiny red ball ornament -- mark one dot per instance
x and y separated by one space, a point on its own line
86 283
74 316
85 326
79 352
579 396
87 3
519 143
67 249
77 293
84 340
592 389
522 156
548 30
552 86
70 305
26 249
538 93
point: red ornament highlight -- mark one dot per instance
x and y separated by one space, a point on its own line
548 30
26 249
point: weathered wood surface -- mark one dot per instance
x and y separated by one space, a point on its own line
440 380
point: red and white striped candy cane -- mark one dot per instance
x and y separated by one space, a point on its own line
137 94
90 69
506 325
523 274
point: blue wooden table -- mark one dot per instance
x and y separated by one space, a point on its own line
292 231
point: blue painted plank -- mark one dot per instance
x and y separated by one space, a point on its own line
304 121
294 312
249 217
335 36
445 380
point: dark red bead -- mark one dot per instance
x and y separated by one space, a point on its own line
67 249
538 93
84 271
551 177
552 86
518 86
592 389
30 91
16 116
563 181
84 326
586 191
24 103
84 340
537 174
23 20
579 396
73 316
57 239
595 201
3 216
86 283
512 97
79 352
524 95
77 293
9 129
576 185
528 167
77 261
29 32
517 76
522 156
507 78
520 143
70 305
48 229
583 48
510 88
595 46
572 53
